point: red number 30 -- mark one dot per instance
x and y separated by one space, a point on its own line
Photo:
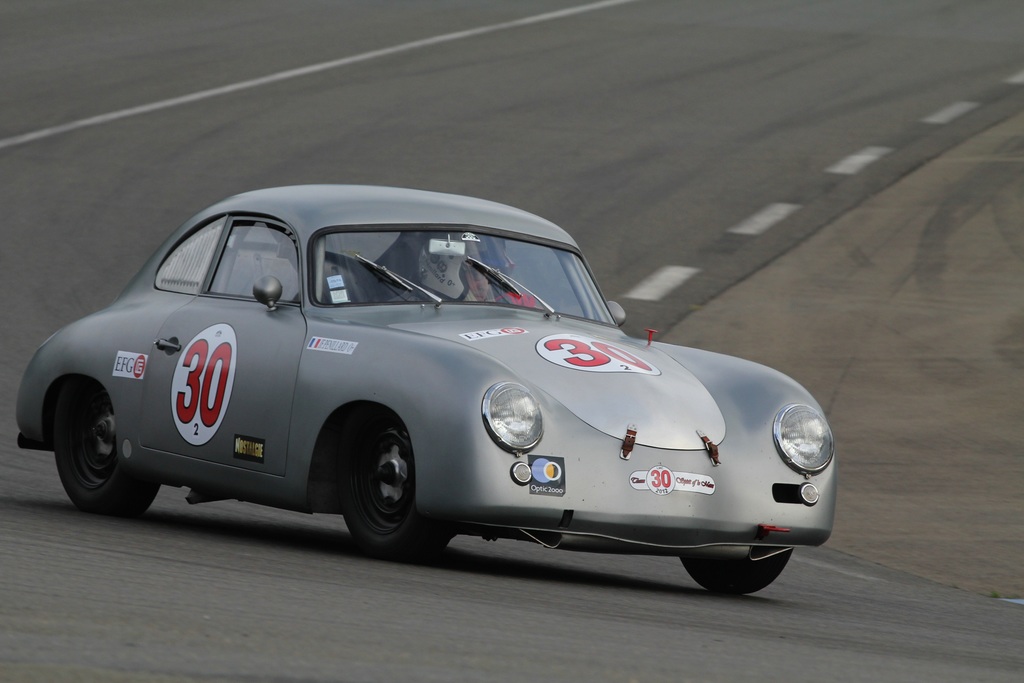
583 356
201 386
591 354
199 382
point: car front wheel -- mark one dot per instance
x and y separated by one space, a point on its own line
736 577
85 448
377 482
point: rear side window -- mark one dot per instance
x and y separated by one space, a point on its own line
185 269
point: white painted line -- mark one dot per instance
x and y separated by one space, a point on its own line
764 219
855 163
950 113
303 71
661 282
1018 601
1017 79
825 565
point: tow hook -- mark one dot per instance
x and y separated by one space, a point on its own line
764 529
710 447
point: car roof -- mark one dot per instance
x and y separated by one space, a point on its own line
308 208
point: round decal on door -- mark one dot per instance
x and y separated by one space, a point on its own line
579 352
201 386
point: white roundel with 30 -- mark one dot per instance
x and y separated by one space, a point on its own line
201 386
579 352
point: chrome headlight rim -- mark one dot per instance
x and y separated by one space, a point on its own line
498 435
826 450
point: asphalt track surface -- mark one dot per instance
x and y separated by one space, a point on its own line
873 146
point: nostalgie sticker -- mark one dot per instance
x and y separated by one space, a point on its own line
662 481
249 448
332 345
488 334
579 352
130 365
202 381
548 475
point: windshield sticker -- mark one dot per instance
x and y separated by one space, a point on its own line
339 296
548 475
662 481
487 334
469 237
578 352
201 386
130 365
336 282
332 345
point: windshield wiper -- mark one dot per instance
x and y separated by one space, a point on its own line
507 283
396 279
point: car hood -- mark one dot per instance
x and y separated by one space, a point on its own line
610 381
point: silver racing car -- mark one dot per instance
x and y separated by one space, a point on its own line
426 365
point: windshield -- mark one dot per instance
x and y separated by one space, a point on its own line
462 265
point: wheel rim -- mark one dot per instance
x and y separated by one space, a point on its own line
384 480
94 442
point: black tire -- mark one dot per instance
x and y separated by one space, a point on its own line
85 449
377 484
736 577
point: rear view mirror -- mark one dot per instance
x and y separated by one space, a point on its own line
446 247
267 291
618 313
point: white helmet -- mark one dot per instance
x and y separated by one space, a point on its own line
442 273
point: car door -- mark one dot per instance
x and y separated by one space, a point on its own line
220 382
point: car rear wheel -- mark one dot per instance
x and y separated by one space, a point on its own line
377 482
737 577
85 449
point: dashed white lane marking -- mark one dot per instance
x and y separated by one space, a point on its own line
855 163
764 219
1018 601
950 113
1016 79
303 71
661 282
832 567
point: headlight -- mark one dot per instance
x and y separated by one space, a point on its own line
512 416
803 438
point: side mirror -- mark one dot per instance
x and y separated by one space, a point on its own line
618 313
267 291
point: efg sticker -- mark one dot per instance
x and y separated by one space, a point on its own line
249 448
548 475
130 365
332 345
336 282
579 352
662 481
487 334
202 381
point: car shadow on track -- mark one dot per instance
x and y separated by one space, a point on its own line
265 529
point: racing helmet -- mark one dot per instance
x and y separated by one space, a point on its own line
442 273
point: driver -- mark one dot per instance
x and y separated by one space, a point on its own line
443 269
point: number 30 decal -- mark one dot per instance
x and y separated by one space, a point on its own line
592 355
201 386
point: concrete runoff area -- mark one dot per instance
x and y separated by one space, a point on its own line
905 318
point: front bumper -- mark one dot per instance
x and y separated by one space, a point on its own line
603 502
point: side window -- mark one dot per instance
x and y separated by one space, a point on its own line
185 268
253 250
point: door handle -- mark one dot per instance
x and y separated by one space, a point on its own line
168 346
